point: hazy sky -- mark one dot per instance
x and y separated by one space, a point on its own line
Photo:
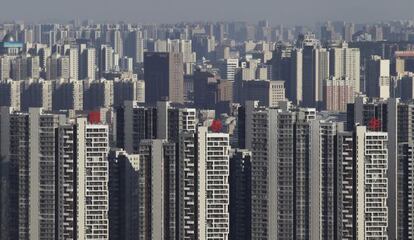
170 11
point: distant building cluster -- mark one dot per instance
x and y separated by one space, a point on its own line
208 131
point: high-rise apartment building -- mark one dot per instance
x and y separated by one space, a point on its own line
33 67
213 193
337 93
106 61
74 63
87 63
123 195
28 152
128 90
345 63
405 188
180 120
228 68
371 157
135 46
188 185
68 95
349 30
294 83
15 174
240 194
315 69
377 78
157 201
37 93
163 77
322 176
293 184
57 67
261 140
133 124
98 93
117 42
10 94
346 182
4 68
280 199
268 93
393 117
309 68
405 87
82 180
18 68
204 88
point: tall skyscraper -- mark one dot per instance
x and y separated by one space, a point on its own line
123 195
4 68
106 61
133 124
163 75
371 157
18 68
295 82
64 67
10 94
315 70
180 120
68 95
345 62
392 117
405 190
261 139
228 68
98 93
52 67
28 152
279 140
14 152
349 30
240 194
346 182
204 88
337 93
187 182
128 90
213 193
293 146
136 122
87 63
157 202
309 68
187 51
33 67
322 176
82 180
74 63
406 87
268 93
117 42
37 93
203 45
377 79
136 42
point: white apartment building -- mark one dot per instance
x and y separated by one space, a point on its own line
213 189
83 179
372 184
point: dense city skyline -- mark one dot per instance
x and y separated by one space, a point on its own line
221 130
